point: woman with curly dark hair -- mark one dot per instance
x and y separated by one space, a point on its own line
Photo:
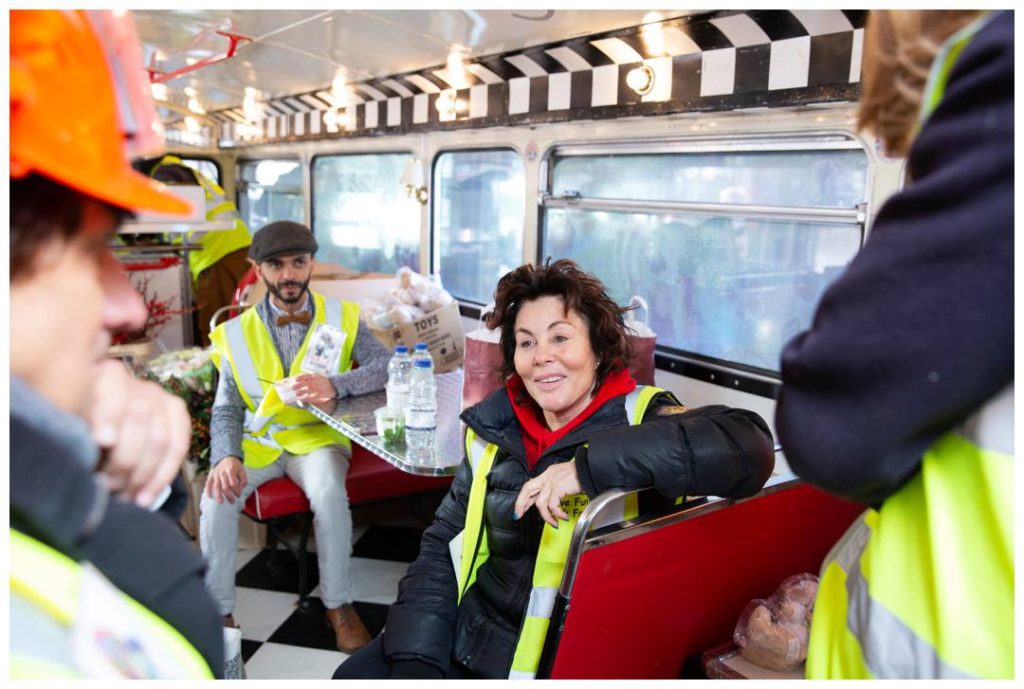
558 434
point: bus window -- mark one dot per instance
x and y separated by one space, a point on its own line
362 217
731 245
479 206
270 190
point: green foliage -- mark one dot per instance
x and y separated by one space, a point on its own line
191 375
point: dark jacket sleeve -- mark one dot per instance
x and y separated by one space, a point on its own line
918 332
421 622
714 450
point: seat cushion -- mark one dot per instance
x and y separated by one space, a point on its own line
370 478
276 498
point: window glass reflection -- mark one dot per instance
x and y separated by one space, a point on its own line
479 211
362 217
726 288
270 190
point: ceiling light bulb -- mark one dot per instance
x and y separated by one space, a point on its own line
159 91
641 79
192 124
194 106
447 104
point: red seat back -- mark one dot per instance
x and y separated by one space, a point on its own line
642 605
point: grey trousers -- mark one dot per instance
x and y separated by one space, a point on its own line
321 475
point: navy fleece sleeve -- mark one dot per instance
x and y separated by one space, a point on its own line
918 332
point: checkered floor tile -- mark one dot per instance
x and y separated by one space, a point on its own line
279 640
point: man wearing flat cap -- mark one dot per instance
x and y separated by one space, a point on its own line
312 341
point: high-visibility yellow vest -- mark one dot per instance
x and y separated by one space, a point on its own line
470 550
923 587
68 620
270 425
217 244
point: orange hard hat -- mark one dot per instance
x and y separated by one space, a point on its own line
64 116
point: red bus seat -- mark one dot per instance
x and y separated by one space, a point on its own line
644 597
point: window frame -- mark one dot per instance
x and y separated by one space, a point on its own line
734 375
434 238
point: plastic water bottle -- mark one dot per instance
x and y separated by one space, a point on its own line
422 353
399 376
421 411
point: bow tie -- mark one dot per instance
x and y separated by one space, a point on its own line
302 318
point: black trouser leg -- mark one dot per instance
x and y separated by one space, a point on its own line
366 663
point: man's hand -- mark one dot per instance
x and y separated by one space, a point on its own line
143 432
226 480
547 490
317 390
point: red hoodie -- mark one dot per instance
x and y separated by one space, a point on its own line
537 437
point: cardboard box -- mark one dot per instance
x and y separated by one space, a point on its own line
441 330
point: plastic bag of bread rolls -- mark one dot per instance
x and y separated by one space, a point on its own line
773 632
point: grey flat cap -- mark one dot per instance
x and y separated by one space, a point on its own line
281 238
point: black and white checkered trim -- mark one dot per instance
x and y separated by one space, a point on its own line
720 60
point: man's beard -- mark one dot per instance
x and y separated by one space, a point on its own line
276 290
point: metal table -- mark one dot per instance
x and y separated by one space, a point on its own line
353 418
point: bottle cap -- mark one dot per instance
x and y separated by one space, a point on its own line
401 349
421 346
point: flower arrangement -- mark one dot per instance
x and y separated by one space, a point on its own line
159 313
191 375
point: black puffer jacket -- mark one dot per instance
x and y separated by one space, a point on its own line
708 451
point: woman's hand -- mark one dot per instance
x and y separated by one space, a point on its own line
547 490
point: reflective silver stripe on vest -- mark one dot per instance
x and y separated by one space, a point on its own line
542 601
847 551
332 313
245 369
476 451
991 427
891 649
516 674
254 423
631 401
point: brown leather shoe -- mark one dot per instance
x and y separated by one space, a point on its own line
350 634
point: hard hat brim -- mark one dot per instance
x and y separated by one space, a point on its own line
124 188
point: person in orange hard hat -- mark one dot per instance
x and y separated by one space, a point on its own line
101 585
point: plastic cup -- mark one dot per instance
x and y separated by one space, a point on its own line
390 427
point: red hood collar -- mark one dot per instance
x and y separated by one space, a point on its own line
537 437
